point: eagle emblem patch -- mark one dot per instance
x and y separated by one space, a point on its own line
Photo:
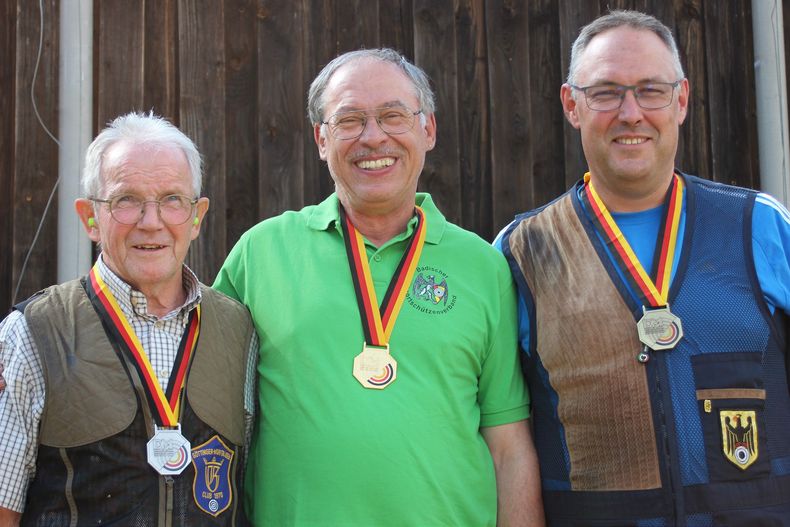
212 489
428 289
739 437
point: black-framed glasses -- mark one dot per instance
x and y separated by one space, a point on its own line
174 209
392 120
648 95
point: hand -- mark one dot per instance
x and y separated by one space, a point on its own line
2 381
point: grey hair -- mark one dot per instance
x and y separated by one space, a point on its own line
422 86
619 18
139 129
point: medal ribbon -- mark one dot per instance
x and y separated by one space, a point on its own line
655 292
166 405
378 322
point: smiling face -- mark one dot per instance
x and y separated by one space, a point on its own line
149 254
630 151
375 174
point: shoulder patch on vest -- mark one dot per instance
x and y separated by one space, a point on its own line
212 490
24 303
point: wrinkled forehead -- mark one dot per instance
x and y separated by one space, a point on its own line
367 83
125 163
625 55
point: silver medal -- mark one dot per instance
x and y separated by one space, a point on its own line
659 329
168 451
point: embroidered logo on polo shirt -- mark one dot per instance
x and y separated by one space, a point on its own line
212 490
739 437
430 291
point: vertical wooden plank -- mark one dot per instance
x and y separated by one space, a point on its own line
160 59
611 5
573 16
319 46
240 208
119 58
511 142
546 117
435 51
36 154
730 92
663 10
7 146
201 28
396 26
281 122
473 119
357 24
694 147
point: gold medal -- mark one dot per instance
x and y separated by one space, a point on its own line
374 367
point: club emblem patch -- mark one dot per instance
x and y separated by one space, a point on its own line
739 437
430 291
212 490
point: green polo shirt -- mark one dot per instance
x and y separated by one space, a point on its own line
329 452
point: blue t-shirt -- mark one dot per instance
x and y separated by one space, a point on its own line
770 248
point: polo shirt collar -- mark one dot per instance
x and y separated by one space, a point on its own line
327 213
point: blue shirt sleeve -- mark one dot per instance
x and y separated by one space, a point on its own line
771 249
523 313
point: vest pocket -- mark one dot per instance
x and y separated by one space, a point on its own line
735 435
731 403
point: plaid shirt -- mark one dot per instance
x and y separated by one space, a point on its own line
23 400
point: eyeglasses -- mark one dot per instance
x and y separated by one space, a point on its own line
648 95
174 209
392 120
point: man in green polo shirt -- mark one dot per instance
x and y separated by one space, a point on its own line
389 383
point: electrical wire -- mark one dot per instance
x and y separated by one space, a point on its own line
44 126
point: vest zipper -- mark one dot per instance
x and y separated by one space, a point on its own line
68 490
665 423
169 501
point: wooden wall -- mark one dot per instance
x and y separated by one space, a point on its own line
233 75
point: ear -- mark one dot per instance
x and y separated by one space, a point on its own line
430 131
683 100
85 211
320 140
569 106
201 207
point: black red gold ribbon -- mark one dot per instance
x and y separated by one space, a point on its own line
655 290
165 405
378 322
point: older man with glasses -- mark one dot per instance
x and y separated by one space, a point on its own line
130 391
652 311
389 381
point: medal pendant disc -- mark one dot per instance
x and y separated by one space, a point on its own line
375 368
659 329
169 452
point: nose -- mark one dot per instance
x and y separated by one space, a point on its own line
372 132
630 111
150 217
